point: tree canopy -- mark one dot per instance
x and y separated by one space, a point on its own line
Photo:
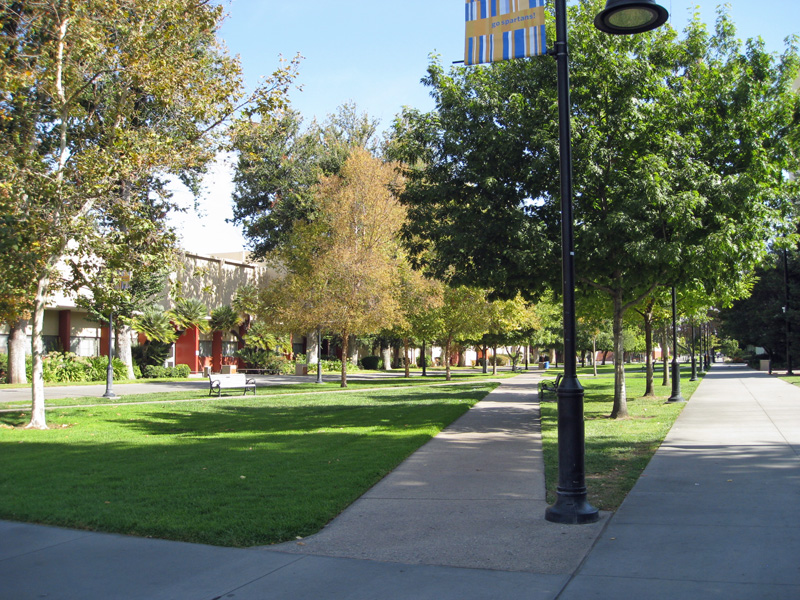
100 100
680 145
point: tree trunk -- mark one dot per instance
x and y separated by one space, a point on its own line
605 355
494 360
462 357
594 355
620 410
386 354
38 420
17 343
123 335
648 348
344 359
405 358
485 360
313 350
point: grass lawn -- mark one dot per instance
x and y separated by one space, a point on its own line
228 471
618 450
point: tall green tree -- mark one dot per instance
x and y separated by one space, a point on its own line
98 98
680 146
279 164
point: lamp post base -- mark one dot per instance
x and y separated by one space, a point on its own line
676 384
572 510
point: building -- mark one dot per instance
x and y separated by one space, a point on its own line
212 279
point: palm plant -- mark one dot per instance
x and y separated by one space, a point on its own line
155 324
188 313
225 319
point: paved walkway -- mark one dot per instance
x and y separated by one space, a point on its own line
199 384
713 516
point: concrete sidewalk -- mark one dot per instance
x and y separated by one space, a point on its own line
199 384
713 516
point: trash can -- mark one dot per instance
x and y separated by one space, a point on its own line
764 365
300 369
546 365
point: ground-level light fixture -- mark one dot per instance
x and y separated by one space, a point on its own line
630 16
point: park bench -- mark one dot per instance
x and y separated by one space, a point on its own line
549 385
219 382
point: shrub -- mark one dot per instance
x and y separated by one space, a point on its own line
63 367
154 372
372 363
427 361
253 357
96 368
159 372
331 364
151 353
279 365
501 360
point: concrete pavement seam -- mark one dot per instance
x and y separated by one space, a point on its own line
272 572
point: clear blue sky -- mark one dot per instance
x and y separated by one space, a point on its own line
375 53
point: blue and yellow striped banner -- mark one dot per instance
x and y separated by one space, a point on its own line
503 29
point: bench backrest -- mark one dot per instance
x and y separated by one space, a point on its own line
234 379
558 380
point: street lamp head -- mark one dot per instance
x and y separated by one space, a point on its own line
623 17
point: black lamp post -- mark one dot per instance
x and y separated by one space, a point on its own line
571 505
694 357
676 367
787 322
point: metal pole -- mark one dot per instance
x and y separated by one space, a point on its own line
694 357
788 324
424 358
110 369
676 367
319 355
571 504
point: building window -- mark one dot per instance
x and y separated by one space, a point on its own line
206 348
85 346
228 348
52 343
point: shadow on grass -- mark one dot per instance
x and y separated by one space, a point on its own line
215 472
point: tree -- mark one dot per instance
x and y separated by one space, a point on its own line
341 269
760 319
280 164
509 323
461 316
419 298
101 98
680 147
